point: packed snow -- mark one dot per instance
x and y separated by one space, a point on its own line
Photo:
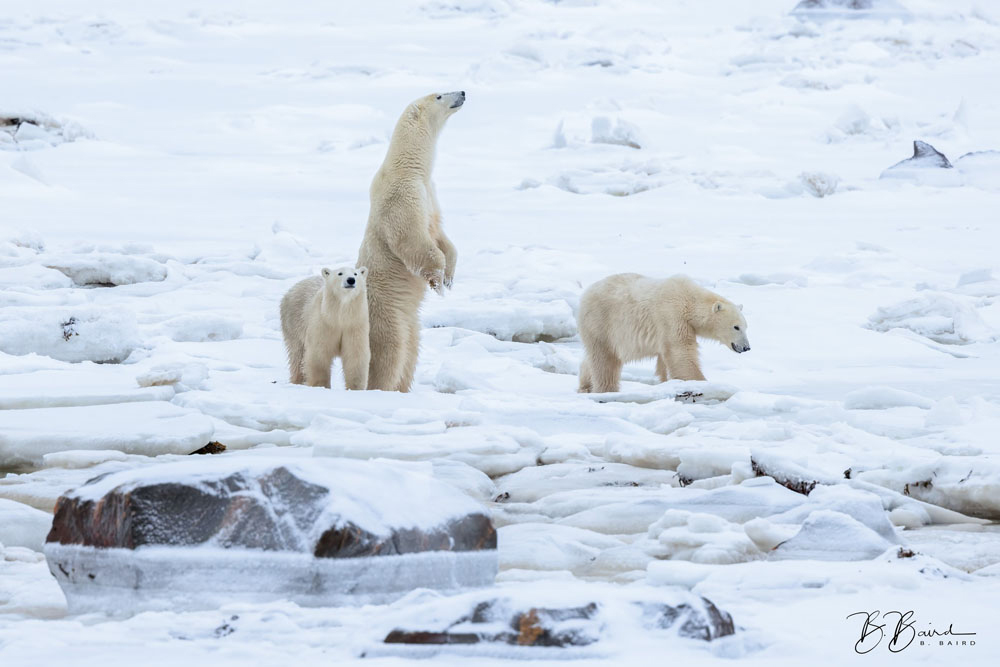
167 172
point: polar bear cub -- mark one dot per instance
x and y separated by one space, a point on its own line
627 317
323 317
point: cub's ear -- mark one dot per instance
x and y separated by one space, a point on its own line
363 270
326 272
740 306
717 307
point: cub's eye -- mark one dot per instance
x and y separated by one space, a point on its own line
342 273
737 328
439 97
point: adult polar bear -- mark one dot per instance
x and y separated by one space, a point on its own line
404 247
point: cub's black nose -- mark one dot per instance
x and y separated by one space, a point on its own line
462 93
746 348
350 281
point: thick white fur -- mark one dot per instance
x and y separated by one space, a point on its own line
404 245
627 317
323 318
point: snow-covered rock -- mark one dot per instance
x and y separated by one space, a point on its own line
516 620
85 333
194 533
818 10
31 130
927 166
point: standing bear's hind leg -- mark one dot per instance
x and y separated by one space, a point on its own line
386 346
411 352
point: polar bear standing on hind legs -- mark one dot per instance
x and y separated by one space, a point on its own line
627 317
404 247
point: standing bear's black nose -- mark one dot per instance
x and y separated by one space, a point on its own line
350 281
462 93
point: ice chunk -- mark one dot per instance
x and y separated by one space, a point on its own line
621 132
829 535
862 506
149 428
73 386
506 318
23 526
940 317
107 269
202 328
980 169
543 546
702 538
880 398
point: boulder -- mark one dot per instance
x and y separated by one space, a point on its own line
199 533
541 615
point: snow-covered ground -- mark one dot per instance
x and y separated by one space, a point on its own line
168 170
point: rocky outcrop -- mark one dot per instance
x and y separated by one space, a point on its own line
218 515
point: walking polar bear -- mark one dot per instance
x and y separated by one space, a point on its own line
404 246
324 317
627 317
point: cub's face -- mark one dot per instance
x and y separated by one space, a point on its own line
730 327
347 280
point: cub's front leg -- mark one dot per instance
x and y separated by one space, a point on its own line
355 354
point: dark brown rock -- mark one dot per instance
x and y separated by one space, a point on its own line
274 511
571 626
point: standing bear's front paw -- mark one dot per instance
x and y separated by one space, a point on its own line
435 280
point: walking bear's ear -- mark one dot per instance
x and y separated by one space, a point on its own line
717 306
363 270
325 272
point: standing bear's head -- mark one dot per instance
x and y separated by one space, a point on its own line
346 282
727 325
431 111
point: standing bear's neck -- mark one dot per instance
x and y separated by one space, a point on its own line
413 143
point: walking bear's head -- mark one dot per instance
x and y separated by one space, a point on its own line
729 327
